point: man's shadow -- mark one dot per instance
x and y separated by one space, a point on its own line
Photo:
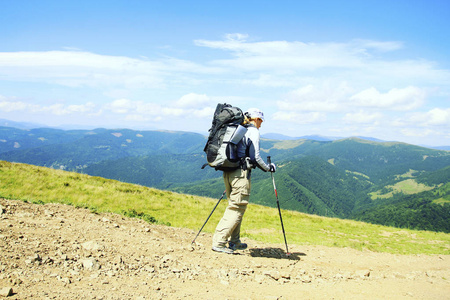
275 253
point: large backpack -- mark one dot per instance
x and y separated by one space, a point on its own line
224 135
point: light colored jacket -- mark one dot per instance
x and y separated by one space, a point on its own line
250 143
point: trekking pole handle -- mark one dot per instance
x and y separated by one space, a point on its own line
269 161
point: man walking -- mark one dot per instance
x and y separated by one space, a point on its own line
238 184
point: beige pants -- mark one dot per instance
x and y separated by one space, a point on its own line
238 193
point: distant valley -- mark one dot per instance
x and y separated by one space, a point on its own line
387 183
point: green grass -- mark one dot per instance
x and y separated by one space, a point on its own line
441 201
42 185
408 186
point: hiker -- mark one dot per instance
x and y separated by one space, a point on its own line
237 185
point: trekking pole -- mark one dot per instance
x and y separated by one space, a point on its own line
279 210
193 241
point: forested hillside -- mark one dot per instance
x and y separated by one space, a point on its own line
163 171
428 210
382 162
13 139
311 184
388 183
82 148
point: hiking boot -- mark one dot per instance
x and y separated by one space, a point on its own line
237 246
223 249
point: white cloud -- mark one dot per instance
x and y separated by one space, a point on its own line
188 106
290 63
269 63
77 69
418 132
433 117
192 100
241 37
401 99
377 45
362 117
60 58
9 106
299 118
57 109
81 108
335 85
276 55
205 112
281 55
121 106
136 118
438 116
326 97
264 80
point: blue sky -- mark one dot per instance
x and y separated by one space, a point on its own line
333 68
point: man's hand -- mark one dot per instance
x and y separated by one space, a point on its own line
273 168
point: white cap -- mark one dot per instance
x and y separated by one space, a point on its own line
255 113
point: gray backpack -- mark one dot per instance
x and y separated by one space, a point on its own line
224 135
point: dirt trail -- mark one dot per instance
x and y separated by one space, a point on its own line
57 251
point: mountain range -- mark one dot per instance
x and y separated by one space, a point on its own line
388 183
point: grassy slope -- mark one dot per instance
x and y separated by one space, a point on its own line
408 186
42 185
